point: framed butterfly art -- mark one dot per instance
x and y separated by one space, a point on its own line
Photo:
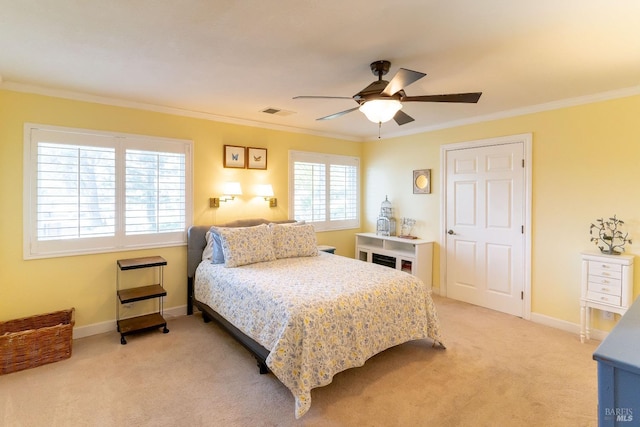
234 157
256 158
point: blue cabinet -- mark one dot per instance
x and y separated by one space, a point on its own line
618 358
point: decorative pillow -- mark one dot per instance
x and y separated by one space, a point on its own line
294 241
246 245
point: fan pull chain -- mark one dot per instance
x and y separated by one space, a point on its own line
379 128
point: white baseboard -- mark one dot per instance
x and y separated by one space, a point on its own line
573 328
110 326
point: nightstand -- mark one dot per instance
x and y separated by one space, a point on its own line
325 248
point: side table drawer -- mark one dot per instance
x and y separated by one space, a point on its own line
605 280
603 298
606 275
612 288
604 266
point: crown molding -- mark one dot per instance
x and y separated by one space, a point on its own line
116 102
554 105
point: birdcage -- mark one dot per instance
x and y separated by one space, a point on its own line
386 224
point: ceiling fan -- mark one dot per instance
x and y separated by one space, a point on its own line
382 101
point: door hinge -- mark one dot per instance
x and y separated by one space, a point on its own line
522 295
522 229
522 162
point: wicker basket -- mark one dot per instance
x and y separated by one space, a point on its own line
36 340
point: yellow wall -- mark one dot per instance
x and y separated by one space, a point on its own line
88 282
586 165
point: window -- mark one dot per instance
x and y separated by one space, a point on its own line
90 192
324 190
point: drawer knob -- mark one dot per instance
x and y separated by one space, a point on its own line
605 281
605 266
603 298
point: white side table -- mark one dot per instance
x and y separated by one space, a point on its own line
607 284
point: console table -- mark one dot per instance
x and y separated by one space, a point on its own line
415 256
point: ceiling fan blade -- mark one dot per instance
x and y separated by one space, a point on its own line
470 98
321 97
402 79
336 115
402 118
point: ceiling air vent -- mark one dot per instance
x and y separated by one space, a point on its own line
277 111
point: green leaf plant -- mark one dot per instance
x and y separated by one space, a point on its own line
607 236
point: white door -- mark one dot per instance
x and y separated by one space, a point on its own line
485 226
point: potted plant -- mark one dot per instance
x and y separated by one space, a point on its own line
608 237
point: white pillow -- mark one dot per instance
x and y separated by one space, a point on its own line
217 255
294 241
207 252
246 245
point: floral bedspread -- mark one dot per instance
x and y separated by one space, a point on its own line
319 315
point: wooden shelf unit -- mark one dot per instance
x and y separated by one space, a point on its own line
140 293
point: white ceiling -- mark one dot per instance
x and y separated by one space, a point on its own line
229 59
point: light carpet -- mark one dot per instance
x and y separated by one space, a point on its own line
497 370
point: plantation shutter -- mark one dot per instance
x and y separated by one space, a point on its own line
92 192
310 191
76 191
325 190
344 194
155 192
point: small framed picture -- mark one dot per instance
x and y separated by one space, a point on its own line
422 181
257 158
234 157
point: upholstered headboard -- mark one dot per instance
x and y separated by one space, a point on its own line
196 239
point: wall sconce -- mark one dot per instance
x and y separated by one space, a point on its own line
229 192
266 191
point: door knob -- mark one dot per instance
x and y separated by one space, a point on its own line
451 232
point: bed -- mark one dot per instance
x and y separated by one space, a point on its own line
304 314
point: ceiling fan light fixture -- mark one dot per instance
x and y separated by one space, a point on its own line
380 110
